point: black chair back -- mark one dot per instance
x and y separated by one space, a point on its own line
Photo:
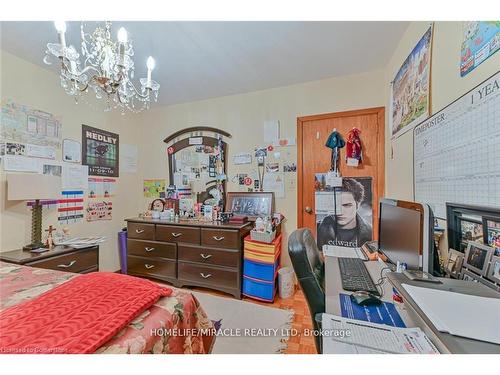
310 270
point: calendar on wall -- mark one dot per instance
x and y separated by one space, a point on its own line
456 151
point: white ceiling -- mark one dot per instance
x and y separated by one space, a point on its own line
199 60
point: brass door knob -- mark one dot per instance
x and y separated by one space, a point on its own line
308 210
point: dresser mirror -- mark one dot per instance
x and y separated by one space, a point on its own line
197 159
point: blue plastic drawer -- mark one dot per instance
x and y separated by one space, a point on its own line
261 290
261 271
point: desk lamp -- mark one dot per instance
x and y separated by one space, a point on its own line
32 186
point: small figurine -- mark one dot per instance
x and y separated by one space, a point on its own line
50 240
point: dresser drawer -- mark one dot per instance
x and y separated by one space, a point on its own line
158 269
227 239
172 233
77 261
141 231
152 249
206 255
210 276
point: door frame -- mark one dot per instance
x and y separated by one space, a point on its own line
379 111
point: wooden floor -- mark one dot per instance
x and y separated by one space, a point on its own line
299 344
302 321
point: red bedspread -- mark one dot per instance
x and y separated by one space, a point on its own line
78 316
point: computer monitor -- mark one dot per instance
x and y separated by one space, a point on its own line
406 234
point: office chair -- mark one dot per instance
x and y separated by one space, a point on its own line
310 270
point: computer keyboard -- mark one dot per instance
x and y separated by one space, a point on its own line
355 276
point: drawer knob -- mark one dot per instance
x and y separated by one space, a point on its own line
205 276
66 265
139 231
149 266
176 234
205 256
148 249
218 238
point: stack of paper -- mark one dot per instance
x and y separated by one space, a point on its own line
459 314
81 242
350 336
343 252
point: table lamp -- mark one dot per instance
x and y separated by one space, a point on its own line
32 186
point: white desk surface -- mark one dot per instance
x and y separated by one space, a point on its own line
446 343
333 287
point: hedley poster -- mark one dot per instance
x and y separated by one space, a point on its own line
100 151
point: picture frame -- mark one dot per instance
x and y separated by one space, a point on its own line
491 229
469 276
250 204
494 270
477 257
454 263
471 229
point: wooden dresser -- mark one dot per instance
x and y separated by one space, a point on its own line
60 258
192 253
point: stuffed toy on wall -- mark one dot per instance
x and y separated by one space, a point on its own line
354 148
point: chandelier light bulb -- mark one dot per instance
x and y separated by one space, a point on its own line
60 26
122 35
150 63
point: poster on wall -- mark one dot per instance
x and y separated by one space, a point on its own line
154 188
101 210
70 207
480 40
72 151
100 151
274 182
21 124
410 90
353 225
128 158
101 187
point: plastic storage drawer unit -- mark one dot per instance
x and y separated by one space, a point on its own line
260 270
261 290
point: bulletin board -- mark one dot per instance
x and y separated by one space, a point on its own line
456 151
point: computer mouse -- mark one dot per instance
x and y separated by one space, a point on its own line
364 298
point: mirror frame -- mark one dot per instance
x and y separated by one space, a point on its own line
181 144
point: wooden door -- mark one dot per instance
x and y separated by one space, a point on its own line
314 157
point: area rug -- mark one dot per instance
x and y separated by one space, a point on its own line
245 327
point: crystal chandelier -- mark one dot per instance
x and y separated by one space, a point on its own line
106 68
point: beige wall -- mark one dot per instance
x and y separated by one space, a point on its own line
243 116
32 85
446 86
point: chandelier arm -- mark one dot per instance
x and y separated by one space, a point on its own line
78 74
143 96
87 69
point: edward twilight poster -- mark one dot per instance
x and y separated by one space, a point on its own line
100 151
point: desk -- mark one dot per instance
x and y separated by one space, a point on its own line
409 311
445 342
333 287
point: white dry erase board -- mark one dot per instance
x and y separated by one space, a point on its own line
456 151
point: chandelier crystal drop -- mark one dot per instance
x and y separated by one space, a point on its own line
105 68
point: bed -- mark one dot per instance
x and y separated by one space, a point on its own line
180 312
